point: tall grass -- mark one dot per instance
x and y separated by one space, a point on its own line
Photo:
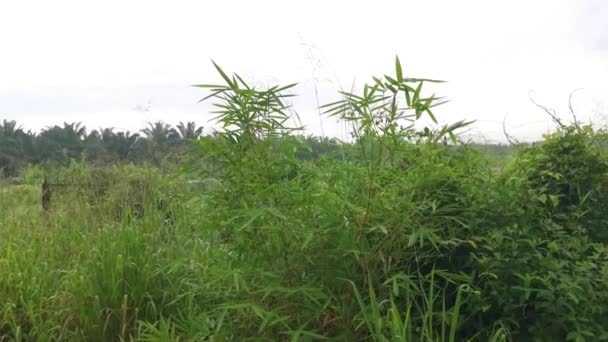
395 238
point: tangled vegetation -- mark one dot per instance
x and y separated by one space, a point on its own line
395 237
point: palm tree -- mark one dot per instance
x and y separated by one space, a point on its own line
107 146
160 137
17 147
63 143
189 131
10 147
9 127
9 135
93 148
125 143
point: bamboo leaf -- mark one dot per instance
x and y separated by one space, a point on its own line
223 74
398 70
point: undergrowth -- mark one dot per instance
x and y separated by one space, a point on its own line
393 237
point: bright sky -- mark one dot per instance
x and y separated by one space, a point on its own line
123 63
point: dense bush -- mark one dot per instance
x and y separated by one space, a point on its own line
394 237
543 265
571 174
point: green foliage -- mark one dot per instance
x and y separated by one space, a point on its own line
572 176
266 235
14 144
312 233
543 260
159 145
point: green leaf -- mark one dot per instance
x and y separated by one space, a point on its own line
431 115
242 81
453 137
398 70
211 95
286 87
276 213
307 240
209 86
416 80
392 80
417 93
224 76
554 200
254 215
379 82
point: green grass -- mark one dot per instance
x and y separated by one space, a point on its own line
88 271
392 238
134 255
77 274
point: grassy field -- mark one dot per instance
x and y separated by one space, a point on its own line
127 253
395 237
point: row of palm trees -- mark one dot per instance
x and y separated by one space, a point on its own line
59 144
157 142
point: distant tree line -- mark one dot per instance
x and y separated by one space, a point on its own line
60 144
158 142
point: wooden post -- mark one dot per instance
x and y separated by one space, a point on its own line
46 195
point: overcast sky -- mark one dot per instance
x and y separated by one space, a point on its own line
124 63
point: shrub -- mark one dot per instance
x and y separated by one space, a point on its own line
393 237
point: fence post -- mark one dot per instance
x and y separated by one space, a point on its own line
46 194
